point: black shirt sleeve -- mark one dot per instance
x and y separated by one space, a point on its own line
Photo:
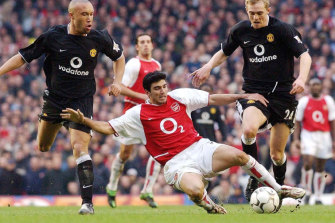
36 49
231 44
111 48
292 39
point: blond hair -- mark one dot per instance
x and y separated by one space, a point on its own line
252 2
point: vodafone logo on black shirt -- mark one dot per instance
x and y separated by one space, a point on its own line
75 63
259 50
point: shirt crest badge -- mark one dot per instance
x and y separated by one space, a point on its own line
175 107
212 111
93 52
116 47
270 37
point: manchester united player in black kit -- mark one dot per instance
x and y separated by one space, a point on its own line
269 47
71 55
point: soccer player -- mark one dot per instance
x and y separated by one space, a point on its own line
71 53
135 71
269 47
165 127
204 119
315 136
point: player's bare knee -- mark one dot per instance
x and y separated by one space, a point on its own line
79 150
308 166
124 156
277 157
250 131
241 158
195 192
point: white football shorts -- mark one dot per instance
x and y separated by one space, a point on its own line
197 158
318 144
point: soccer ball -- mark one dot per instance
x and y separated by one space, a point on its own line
264 200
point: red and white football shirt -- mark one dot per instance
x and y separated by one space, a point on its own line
315 114
167 129
135 71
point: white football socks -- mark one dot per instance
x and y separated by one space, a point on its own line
152 172
116 171
258 171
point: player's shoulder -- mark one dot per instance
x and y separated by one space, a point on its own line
304 99
329 99
280 25
100 34
184 93
54 30
133 61
241 26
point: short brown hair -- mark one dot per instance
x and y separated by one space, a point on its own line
142 34
252 2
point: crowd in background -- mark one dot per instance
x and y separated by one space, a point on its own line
186 34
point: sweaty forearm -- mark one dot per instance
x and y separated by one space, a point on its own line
224 99
305 65
217 59
118 67
12 64
130 93
98 126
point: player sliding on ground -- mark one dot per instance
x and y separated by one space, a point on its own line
187 157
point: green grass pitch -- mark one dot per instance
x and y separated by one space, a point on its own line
165 214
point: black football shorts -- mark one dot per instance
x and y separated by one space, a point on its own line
281 109
53 106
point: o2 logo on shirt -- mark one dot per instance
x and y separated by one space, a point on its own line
175 126
318 117
76 62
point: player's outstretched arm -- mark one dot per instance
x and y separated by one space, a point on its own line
202 74
224 99
133 94
13 63
304 67
77 116
118 67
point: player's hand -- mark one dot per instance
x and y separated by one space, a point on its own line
258 97
298 86
114 89
73 115
200 76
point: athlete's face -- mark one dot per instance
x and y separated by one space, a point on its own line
258 14
144 46
82 18
158 92
316 89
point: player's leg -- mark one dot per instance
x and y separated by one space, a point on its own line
152 172
225 157
79 143
116 171
192 184
319 181
46 134
307 175
252 119
278 139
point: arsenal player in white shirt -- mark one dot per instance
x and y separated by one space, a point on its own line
135 70
315 121
187 157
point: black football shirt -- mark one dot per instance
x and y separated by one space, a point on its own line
268 54
70 60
